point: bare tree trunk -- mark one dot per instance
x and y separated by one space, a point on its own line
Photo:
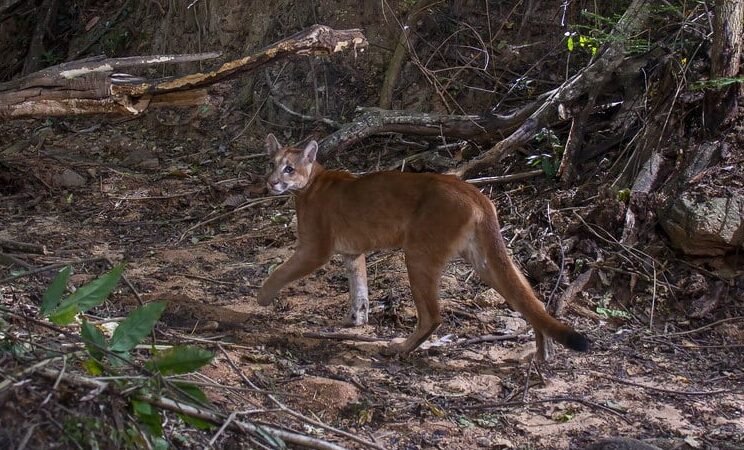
721 104
47 11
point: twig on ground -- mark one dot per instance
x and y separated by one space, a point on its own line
490 338
6 258
160 197
193 411
341 336
710 325
664 390
131 288
613 411
245 427
505 178
27 437
254 202
24 247
56 383
50 267
212 280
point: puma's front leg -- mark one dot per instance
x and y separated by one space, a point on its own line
303 262
356 271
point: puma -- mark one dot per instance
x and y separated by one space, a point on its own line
432 217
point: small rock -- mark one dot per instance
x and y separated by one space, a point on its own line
488 299
69 178
510 325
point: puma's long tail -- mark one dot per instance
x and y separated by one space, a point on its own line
511 284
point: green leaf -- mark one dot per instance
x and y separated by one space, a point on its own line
195 422
148 416
118 359
93 367
86 297
549 167
64 314
136 326
94 340
613 313
570 44
95 292
180 359
191 394
159 443
54 293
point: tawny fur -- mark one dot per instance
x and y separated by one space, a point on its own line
432 217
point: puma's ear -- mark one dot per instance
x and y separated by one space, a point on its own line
311 151
272 145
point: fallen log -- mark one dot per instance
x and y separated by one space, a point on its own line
91 86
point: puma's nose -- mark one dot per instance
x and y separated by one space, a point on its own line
275 186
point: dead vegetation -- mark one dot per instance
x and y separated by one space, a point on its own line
178 196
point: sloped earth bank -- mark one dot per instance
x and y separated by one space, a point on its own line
142 191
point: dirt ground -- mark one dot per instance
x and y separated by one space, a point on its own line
163 198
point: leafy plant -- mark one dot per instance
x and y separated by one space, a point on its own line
110 355
63 312
583 42
715 84
623 195
548 161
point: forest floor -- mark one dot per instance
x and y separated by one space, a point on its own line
141 194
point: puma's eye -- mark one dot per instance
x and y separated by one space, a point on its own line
288 169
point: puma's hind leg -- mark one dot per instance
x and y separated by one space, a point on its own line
356 271
424 274
544 347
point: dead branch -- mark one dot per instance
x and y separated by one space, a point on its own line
579 285
244 427
91 86
505 178
592 78
191 411
372 121
23 247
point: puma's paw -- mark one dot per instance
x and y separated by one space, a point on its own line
264 298
355 319
395 347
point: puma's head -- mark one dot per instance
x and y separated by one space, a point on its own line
289 168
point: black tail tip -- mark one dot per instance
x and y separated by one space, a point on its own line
577 341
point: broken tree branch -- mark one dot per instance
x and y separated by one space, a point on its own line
91 86
372 121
